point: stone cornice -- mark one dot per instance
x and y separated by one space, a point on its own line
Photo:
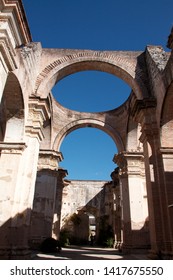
12 148
16 9
48 159
62 173
7 53
38 113
41 106
140 105
167 152
14 31
47 171
34 132
128 162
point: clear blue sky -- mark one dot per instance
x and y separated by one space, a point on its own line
96 25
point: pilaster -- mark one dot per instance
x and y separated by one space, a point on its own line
10 172
117 211
167 156
155 181
19 167
62 173
134 204
45 196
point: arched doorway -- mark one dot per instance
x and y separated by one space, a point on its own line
88 154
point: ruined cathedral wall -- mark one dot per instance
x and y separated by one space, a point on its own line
81 195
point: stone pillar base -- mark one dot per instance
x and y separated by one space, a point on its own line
160 255
126 249
118 245
8 253
129 249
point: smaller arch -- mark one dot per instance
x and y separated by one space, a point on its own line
88 123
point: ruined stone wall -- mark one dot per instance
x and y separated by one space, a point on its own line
81 195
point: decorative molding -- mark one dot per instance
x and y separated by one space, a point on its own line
167 153
7 54
130 163
48 159
15 8
166 150
12 148
140 105
38 114
14 30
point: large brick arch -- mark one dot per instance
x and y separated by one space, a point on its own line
88 123
123 65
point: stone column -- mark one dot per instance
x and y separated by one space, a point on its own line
44 197
18 175
159 219
125 202
159 196
157 200
132 191
10 172
167 155
117 209
58 202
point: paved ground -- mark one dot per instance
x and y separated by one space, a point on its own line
87 253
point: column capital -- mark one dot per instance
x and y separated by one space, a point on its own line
143 111
48 159
140 107
149 132
128 162
121 161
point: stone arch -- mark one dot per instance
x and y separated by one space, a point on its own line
12 111
117 64
88 123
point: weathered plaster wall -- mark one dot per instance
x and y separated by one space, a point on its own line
78 195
